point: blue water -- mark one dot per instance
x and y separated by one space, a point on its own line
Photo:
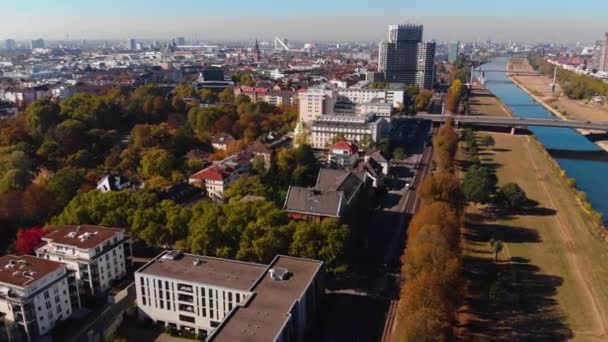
590 175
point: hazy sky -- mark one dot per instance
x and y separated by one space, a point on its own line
304 20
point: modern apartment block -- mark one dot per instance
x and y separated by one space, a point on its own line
97 254
35 294
227 300
404 58
601 55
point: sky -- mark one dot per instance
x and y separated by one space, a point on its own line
304 20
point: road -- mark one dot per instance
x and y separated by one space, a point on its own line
363 308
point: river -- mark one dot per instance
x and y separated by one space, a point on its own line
590 175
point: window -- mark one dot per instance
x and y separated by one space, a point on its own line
59 309
185 318
46 295
143 300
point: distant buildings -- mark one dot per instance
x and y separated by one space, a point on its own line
180 41
601 56
132 44
404 58
453 52
226 300
213 78
10 44
275 97
37 44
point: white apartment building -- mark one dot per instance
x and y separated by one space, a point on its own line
96 254
363 95
316 102
352 128
380 108
34 294
215 298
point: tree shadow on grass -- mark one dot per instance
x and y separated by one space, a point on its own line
525 309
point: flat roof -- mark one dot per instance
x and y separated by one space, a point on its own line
23 270
263 318
76 235
213 271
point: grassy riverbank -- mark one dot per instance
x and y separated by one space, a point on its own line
554 249
484 103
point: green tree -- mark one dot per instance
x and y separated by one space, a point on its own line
479 184
42 114
64 185
412 90
156 162
423 99
511 196
325 241
399 153
207 95
71 135
487 141
226 95
243 186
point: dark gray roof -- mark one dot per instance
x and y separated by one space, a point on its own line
334 190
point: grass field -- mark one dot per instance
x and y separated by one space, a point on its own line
559 261
483 102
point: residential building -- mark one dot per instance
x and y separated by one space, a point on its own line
404 58
314 103
335 193
217 177
352 128
275 97
8 109
343 154
35 294
227 300
375 166
453 52
111 182
97 254
221 141
37 44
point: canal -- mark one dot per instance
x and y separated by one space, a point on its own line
589 174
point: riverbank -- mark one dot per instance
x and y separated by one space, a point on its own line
483 102
563 108
552 252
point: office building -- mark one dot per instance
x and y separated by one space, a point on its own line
404 58
602 55
132 44
227 300
316 102
363 95
180 41
10 44
453 51
353 128
96 254
34 295
37 44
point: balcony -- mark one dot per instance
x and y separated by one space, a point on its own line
184 288
185 298
186 308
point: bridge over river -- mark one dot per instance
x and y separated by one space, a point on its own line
518 122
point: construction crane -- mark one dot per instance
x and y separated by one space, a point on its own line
279 44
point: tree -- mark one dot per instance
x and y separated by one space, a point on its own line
42 114
178 104
423 99
156 162
184 90
487 141
207 95
497 247
511 196
70 135
399 153
412 90
324 241
243 186
28 239
64 185
442 187
226 95
479 184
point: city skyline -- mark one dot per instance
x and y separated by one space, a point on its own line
362 20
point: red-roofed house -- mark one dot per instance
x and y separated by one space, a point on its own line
217 177
343 154
275 97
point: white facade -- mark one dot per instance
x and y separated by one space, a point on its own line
42 301
96 267
353 128
380 108
361 96
314 103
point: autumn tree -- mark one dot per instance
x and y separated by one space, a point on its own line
28 239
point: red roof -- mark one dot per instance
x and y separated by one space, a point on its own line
344 145
213 172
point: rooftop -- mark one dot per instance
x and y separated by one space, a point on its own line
205 270
83 236
23 270
263 318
